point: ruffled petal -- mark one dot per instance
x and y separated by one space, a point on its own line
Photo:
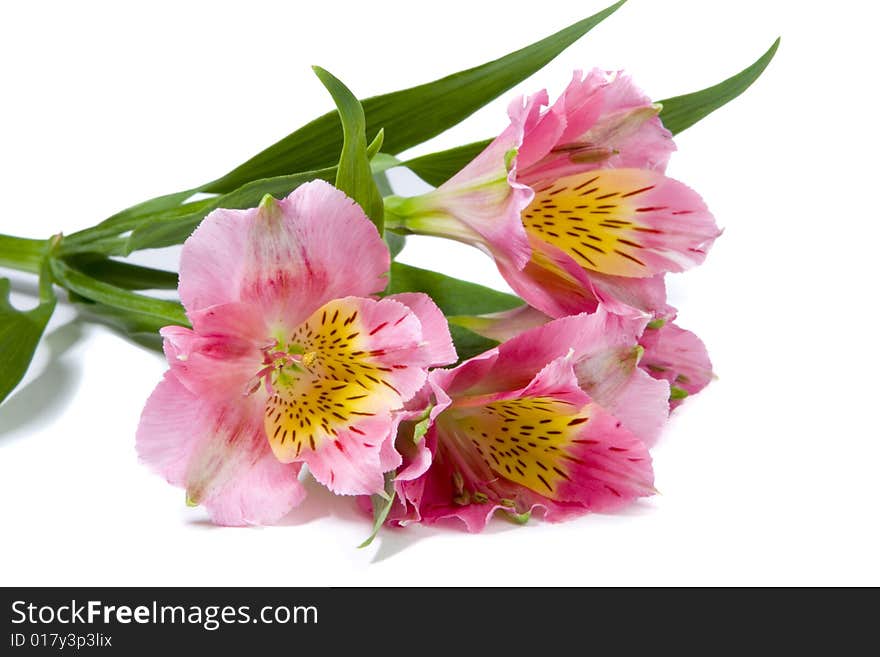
630 297
437 342
286 257
218 453
623 222
551 282
602 120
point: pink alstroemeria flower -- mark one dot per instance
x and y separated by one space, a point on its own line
289 361
559 418
572 202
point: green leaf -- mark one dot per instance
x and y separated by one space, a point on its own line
436 168
410 116
20 332
123 274
452 296
168 312
105 239
353 174
147 208
381 507
681 112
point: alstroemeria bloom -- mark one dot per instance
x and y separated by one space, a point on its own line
559 418
289 361
583 213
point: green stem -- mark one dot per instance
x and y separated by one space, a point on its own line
21 253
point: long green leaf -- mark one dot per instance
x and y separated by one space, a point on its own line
123 274
20 332
105 238
436 168
353 174
681 112
147 208
169 312
410 116
452 296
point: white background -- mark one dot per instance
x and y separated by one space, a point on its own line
768 477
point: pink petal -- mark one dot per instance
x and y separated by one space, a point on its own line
600 121
642 405
287 258
551 282
219 453
622 222
651 145
353 463
213 367
631 296
613 467
678 356
437 343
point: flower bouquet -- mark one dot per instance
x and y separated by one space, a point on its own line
299 344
